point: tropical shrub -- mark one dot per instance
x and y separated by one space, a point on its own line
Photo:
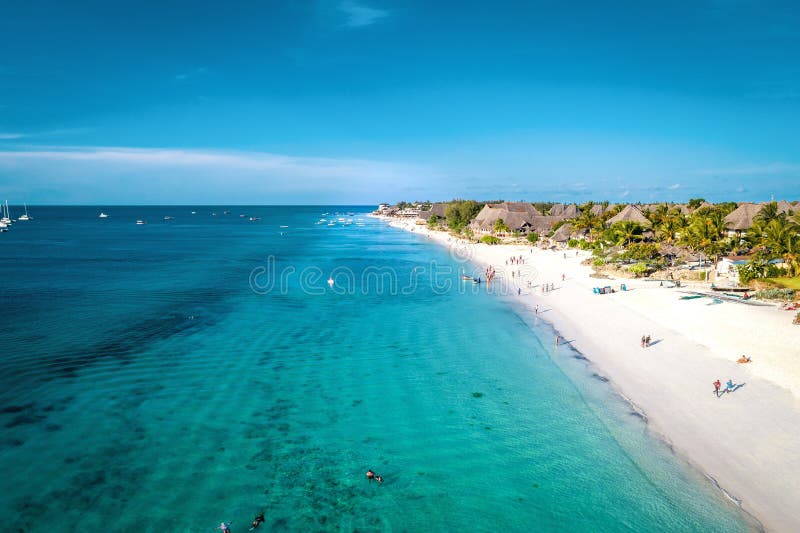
640 251
490 239
638 269
598 262
433 221
573 243
775 294
532 237
758 268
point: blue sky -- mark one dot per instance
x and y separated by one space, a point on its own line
364 101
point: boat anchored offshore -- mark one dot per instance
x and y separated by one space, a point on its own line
141 222
26 216
102 215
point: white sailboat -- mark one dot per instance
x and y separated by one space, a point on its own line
6 217
25 216
103 215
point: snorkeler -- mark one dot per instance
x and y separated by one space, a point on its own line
225 527
257 521
370 474
379 479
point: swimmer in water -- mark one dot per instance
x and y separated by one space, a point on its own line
257 521
370 475
225 527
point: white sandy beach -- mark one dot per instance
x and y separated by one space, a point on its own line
748 441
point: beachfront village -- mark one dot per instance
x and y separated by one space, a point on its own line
741 250
690 310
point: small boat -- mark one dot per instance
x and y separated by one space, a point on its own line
284 226
213 214
141 222
194 212
102 215
242 216
691 297
167 217
253 219
226 212
467 278
729 289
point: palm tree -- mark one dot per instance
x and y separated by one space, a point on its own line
500 226
626 232
768 212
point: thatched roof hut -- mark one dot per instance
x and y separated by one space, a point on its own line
597 210
785 207
630 213
564 233
565 211
742 217
518 216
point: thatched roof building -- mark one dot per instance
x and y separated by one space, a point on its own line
564 233
742 217
785 207
436 209
518 216
630 213
565 211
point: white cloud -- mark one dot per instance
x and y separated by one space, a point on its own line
125 174
626 193
359 15
199 71
674 186
750 170
9 136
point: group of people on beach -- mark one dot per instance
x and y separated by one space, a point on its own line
515 261
730 386
489 273
645 341
547 287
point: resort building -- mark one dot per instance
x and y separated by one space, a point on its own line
630 213
520 217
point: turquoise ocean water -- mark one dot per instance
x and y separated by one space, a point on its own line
145 386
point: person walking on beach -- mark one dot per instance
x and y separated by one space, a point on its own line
717 385
563 277
557 338
647 341
536 309
643 340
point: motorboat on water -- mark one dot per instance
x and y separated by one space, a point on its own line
102 215
226 212
168 217
194 212
141 222
253 219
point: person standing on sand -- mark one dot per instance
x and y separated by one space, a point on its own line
643 340
563 278
536 309
647 341
717 385
557 338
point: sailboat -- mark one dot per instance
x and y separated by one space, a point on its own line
25 216
6 218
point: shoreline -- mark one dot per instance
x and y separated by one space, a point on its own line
746 443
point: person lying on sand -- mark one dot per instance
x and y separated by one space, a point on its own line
743 359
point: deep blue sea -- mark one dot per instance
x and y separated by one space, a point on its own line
168 376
